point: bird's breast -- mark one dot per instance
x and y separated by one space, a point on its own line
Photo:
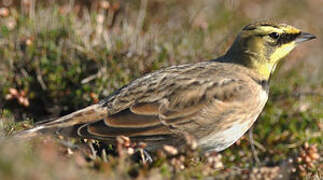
222 138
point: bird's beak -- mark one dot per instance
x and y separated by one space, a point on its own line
304 36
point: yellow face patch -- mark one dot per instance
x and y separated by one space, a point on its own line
289 29
261 46
266 68
267 30
281 52
281 28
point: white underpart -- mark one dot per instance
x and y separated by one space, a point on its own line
219 141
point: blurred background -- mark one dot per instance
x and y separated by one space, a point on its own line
58 56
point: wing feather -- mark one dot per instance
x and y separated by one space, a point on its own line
146 108
127 118
175 103
100 129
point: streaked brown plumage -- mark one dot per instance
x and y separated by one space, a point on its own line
216 101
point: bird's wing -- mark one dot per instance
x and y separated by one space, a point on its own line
162 106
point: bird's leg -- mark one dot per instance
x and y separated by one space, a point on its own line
145 156
142 155
94 152
253 149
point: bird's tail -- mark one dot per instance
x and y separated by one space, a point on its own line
87 115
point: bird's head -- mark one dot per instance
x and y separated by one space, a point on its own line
261 46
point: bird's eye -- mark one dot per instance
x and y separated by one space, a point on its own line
274 35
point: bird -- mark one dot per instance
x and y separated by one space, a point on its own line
214 101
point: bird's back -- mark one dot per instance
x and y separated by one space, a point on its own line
197 99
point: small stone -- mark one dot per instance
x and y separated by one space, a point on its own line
170 149
4 12
105 4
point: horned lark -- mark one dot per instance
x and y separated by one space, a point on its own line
216 101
